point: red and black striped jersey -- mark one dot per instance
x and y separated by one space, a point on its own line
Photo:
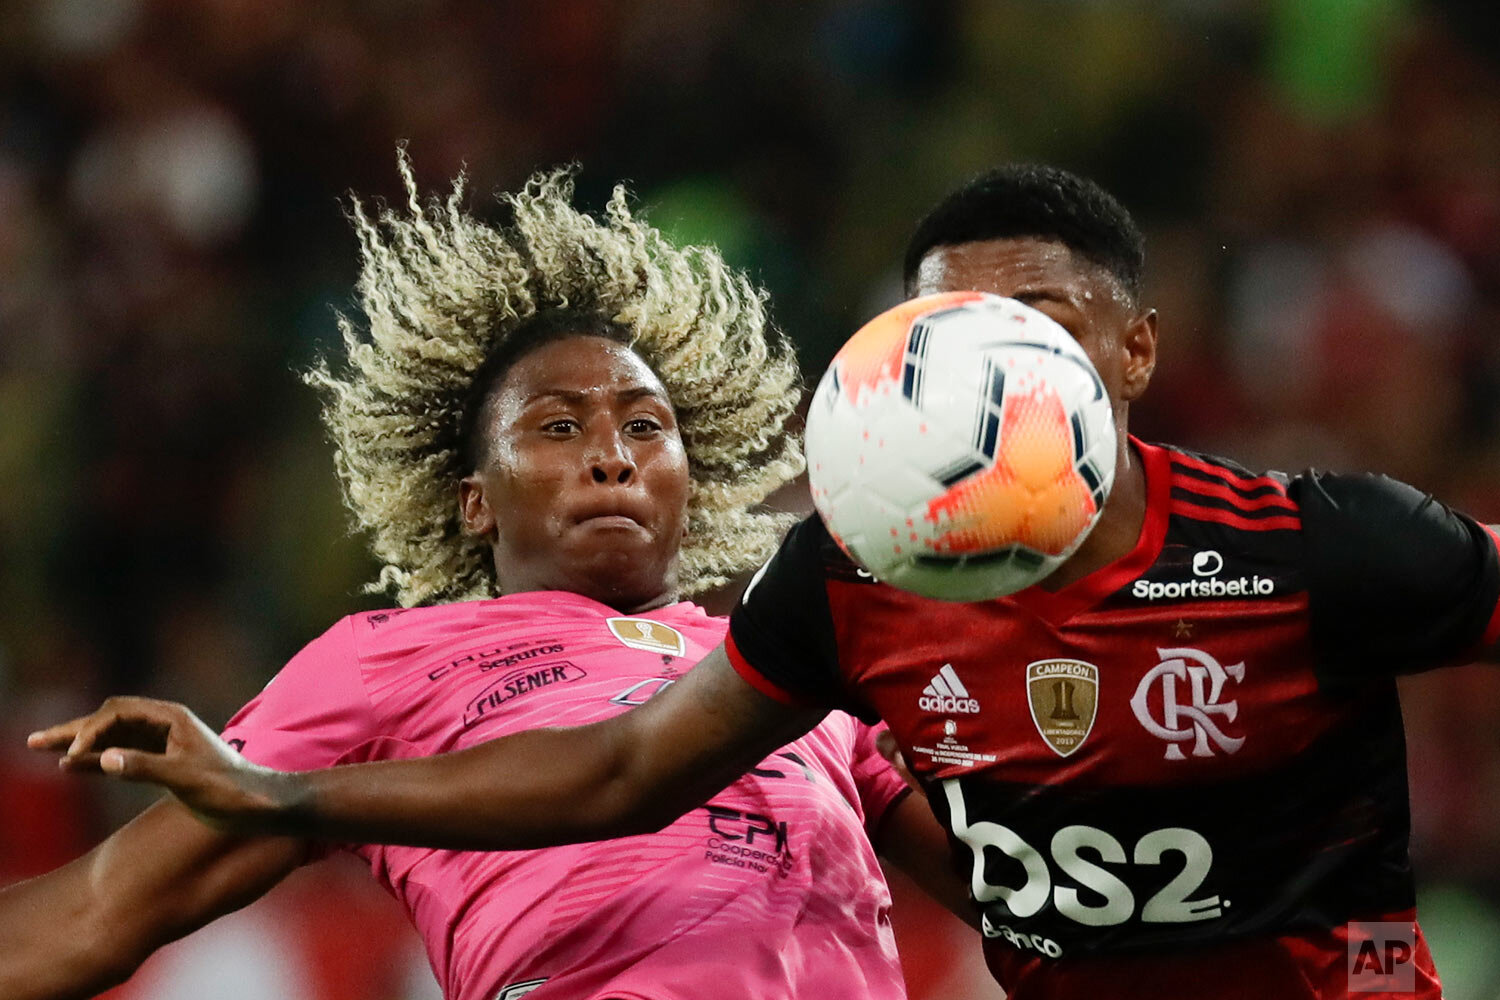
1183 774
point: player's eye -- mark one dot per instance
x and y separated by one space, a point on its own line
642 425
561 425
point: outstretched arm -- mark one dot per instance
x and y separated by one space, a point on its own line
88 925
632 773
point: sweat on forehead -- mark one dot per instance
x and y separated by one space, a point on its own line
548 328
1027 268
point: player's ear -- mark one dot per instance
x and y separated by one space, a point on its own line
474 507
1140 354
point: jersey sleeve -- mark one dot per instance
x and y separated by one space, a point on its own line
313 714
781 633
876 781
1397 582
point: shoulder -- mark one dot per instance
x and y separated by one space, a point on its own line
312 711
686 614
1187 464
340 662
794 573
1366 535
390 635
693 620
387 627
1360 529
1396 579
1204 503
1367 505
1214 490
1363 497
337 690
1363 521
811 547
1368 500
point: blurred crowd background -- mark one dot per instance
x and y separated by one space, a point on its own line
1319 181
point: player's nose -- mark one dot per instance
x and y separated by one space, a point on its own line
609 460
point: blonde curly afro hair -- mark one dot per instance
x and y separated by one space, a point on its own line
442 291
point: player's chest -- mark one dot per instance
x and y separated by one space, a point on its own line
1143 696
472 687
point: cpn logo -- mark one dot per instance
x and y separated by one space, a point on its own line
1180 701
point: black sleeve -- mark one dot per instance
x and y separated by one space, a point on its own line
782 631
1396 581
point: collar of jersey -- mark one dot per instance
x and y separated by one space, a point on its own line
1059 606
558 598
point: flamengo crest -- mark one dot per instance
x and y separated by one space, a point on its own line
1192 684
1064 696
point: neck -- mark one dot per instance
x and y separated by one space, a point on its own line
612 584
660 601
1119 527
625 605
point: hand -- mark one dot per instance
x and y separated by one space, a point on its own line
163 743
886 744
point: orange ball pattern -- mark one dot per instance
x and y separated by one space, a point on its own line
1033 495
875 353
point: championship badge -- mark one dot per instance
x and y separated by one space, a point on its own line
1063 695
643 633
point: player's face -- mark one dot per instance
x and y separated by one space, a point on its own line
1085 299
584 482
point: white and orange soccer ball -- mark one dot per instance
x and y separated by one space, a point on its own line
960 446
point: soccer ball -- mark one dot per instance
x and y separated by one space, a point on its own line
960 446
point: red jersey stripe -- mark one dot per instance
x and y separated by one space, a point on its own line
754 677
1234 478
1492 630
1289 522
1207 489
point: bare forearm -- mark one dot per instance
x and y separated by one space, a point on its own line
81 929
530 789
630 774
51 948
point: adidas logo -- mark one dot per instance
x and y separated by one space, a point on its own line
946 693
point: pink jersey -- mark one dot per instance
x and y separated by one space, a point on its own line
771 890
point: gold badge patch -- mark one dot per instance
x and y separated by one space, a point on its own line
643 633
1063 695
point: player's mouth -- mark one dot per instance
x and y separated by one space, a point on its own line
611 515
607 521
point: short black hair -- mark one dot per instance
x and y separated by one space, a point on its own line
1020 200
